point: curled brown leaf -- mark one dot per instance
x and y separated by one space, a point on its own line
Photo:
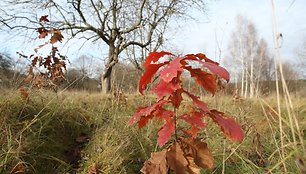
157 164
176 159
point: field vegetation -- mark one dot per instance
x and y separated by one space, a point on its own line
81 132
60 117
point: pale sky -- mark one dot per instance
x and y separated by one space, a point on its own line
215 28
220 22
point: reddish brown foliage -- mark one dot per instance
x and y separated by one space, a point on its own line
228 125
46 71
44 18
18 168
157 164
185 154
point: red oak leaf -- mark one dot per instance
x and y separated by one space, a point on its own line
165 133
172 70
202 56
190 57
194 118
159 113
154 57
44 18
144 120
205 79
162 113
162 88
199 56
137 115
145 111
176 97
148 75
200 104
228 125
215 69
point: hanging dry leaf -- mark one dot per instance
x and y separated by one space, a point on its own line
199 151
57 36
18 168
44 18
43 32
176 159
157 164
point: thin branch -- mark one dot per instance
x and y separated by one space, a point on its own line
139 19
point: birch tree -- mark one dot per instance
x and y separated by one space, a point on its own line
248 57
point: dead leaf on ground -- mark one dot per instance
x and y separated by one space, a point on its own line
93 169
18 168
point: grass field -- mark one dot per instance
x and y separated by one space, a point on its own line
75 132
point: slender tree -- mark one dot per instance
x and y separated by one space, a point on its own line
249 57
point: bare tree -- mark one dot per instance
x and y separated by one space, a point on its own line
249 57
119 24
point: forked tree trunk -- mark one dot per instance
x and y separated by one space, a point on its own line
106 82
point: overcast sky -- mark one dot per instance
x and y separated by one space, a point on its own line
215 28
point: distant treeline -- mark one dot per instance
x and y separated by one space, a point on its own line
125 79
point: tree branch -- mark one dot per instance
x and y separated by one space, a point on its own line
139 19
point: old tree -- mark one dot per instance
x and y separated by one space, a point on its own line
118 24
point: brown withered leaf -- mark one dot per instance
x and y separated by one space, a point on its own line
176 159
199 151
57 36
157 164
34 61
44 18
18 168
192 167
43 32
93 169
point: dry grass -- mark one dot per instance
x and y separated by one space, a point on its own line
41 134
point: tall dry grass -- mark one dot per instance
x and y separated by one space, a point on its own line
40 133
